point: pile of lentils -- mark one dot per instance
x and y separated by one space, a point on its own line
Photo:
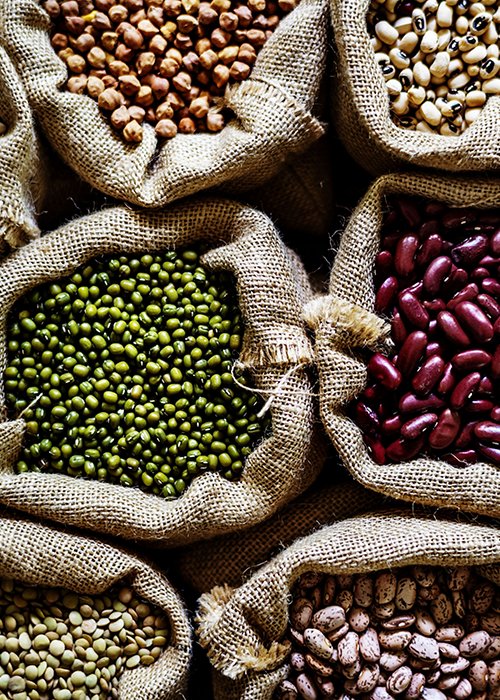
163 62
440 60
62 645
416 632
437 277
123 373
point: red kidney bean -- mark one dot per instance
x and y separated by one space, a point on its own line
461 458
466 436
391 425
384 262
376 448
428 228
495 242
413 310
452 329
479 406
434 305
410 211
487 431
411 351
464 390
404 259
409 403
428 375
434 208
455 218
457 279
414 427
471 359
433 349
475 320
386 294
480 273
398 328
447 380
470 291
492 454
489 261
373 392
382 369
495 414
400 450
445 431
429 249
432 328
485 386
489 305
471 250
491 286
366 418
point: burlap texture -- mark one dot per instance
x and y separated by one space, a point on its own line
18 161
361 111
271 289
273 114
40 555
243 630
232 558
345 322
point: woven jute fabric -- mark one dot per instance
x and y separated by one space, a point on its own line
40 555
243 629
362 118
345 323
232 558
273 114
18 161
272 287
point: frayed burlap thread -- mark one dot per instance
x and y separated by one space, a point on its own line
39 555
231 559
273 114
272 287
250 624
19 162
362 118
342 374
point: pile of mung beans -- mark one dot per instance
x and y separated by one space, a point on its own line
62 645
437 278
123 372
415 632
163 63
440 60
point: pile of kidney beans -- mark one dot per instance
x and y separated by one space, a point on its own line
437 278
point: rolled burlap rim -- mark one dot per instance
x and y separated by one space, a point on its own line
272 287
243 630
274 114
42 555
19 162
342 374
362 118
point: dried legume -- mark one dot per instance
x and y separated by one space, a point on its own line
440 60
165 63
3 128
55 643
415 632
437 276
123 372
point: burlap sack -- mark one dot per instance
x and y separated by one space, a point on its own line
232 558
344 322
272 287
19 161
40 555
273 114
243 630
361 111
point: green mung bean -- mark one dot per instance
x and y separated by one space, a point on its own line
133 384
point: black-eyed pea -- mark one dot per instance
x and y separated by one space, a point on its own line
470 115
399 58
403 25
406 77
419 21
394 87
431 113
421 73
478 675
408 43
369 646
416 95
475 643
492 86
386 32
489 68
439 66
429 41
462 25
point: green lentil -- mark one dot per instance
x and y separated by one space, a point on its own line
132 383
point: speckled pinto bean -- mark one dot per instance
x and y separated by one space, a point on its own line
444 646
437 278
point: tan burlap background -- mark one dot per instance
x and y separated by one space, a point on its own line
272 287
243 629
19 161
40 555
361 111
344 322
232 558
274 114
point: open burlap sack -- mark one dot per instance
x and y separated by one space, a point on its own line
40 555
243 630
273 114
19 161
362 118
344 322
272 286
232 558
